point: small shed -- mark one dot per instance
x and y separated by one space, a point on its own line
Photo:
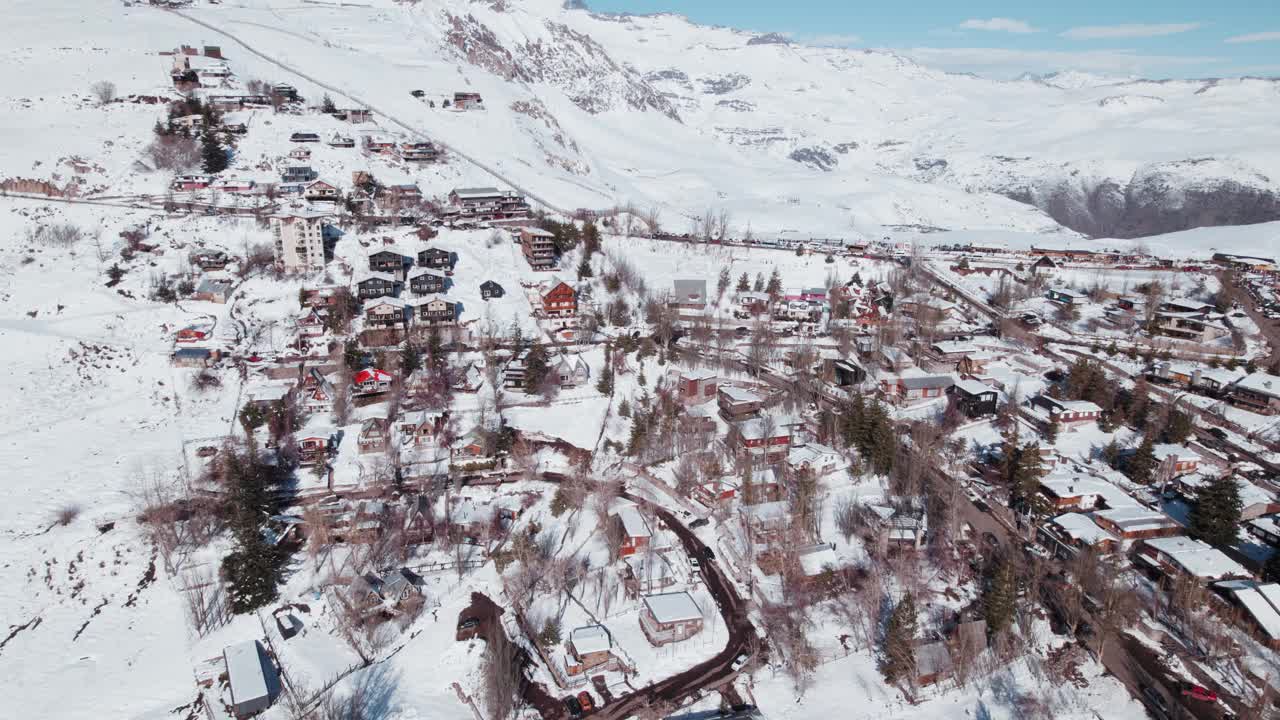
251 677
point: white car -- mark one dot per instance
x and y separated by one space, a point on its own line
740 661
693 563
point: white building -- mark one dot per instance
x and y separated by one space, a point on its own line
299 239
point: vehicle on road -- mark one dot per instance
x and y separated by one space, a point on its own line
708 553
982 506
1199 692
740 661
700 522
573 706
693 563
468 629
990 539
1218 433
584 699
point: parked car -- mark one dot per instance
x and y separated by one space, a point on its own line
740 661
708 554
693 563
1199 692
1036 550
700 522
584 699
573 706
990 539
1218 433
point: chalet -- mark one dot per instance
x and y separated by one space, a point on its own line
1196 327
814 458
420 427
436 259
571 374
389 261
1065 492
190 123
1181 556
1067 296
425 282
376 285
539 248
194 333
298 174
689 295
1136 523
1066 413
355 116
322 191
251 678
236 185
467 101
1175 460
912 389
185 183
490 289
559 300
1266 529
375 435
418 151
487 203
1044 265
513 375
843 372
300 153
633 532
696 386
392 588
402 194
750 304
763 442
974 399
767 523
589 647
714 492
342 141
371 381
433 310
1258 393
321 297
314 446
315 392
738 403
375 144
385 313
894 359
1261 604
670 617
214 290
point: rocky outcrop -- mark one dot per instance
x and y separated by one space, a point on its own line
815 157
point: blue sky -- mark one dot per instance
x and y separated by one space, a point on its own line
1172 38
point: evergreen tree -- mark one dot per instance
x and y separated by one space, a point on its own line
604 384
857 279
1000 597
744 283
326 105
536 367
899 642
213 156
590 240
775 283
624 408
1142 463
1020 468
410 359
1178 427
584 268
251 570
550 635
758 285
1215 518
722 283
639 433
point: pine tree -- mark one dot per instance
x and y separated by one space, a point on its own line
326 105
213 155
758 285
1142 463
999 597
584 268
1215 518
744 283
1178 427
410 359
857 279
775 283
535 367
604 385
590 240
899 642
722 284
550 635
624 408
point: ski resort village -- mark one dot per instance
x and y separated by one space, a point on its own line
411 361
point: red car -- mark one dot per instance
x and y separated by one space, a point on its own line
584 699
1199 693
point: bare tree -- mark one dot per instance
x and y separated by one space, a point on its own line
104 91
501 671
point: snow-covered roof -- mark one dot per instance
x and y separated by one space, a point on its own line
817 559
244 672
1135 518
672 607
1263 604
633 523
765 512
690 290
949 347
926 381
1260 383
973 387
740 395
1177 452
1197 558
590 639
476 192
1082 529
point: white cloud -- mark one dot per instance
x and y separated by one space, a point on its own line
1104 32
1255 37
997 24
1005 63
831 40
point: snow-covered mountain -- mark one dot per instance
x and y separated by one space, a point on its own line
593 110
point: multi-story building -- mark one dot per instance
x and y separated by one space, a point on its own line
539 248
560 300
299 239
488 203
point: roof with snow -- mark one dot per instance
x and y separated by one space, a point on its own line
741 395
672 607
590 639
633 523
1197 558
1260 383
371 375
815 560
245 673
1177 452
689 290
1262 602
1082 529
1135 518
